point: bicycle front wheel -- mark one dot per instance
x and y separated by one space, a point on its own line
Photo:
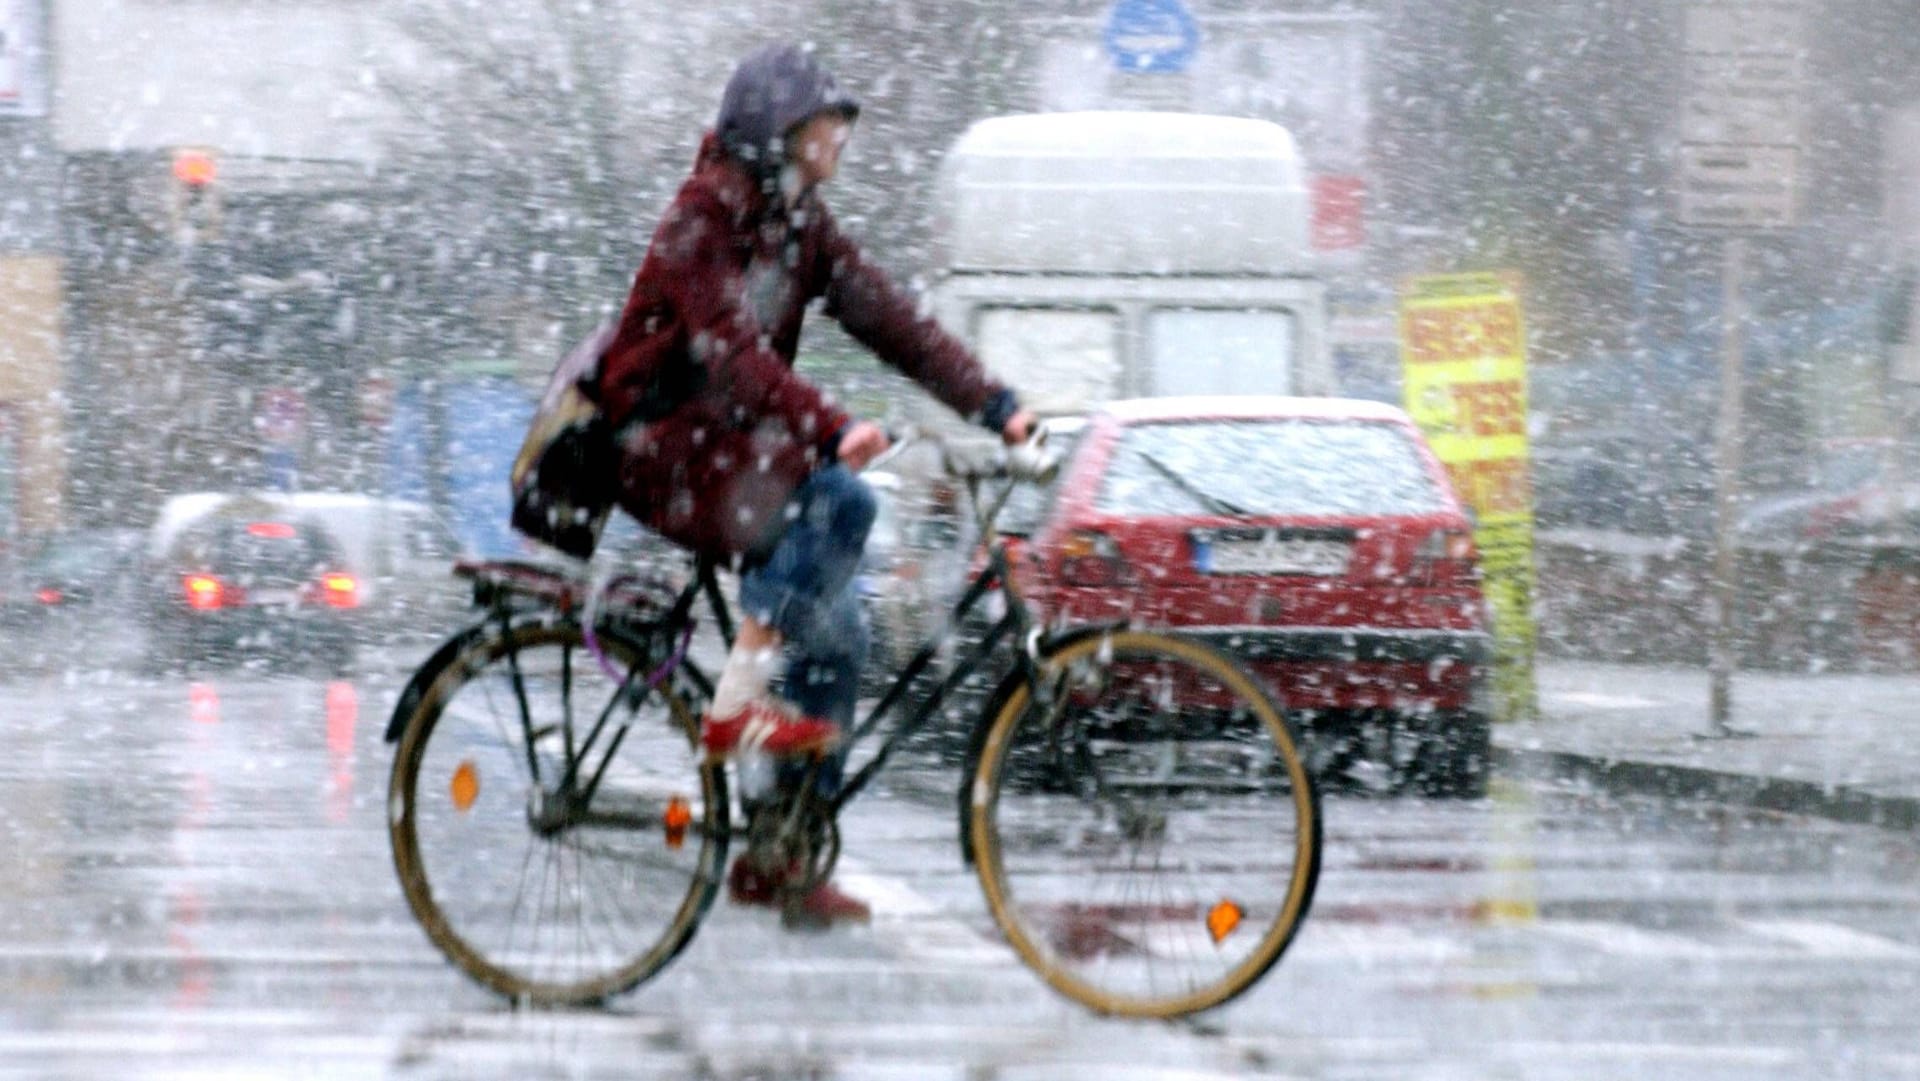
552 864
1146 832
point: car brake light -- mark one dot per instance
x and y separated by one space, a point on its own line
340 591
206 593
1091 559
270 530
49 596
1446 556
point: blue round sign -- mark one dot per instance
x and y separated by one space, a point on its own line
1155 36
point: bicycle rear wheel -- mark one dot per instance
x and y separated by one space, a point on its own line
1148 840
535 880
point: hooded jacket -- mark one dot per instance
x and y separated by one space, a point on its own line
713 427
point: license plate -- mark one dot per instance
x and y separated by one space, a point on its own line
275 598
1278 555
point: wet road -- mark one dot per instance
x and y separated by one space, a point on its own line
195 882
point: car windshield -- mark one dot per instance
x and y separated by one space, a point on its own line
1265 467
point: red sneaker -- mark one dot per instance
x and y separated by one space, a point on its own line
823 906
749 882
752 882
775 728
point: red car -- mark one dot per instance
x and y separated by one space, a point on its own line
1317 539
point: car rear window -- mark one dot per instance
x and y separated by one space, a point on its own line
1268 467
1066 355
1220 351
240 548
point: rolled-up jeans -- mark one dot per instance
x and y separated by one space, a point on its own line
804 588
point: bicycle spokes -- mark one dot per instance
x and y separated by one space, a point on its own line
557 836
1147 839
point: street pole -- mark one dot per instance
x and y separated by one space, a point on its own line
1741 144
1722 648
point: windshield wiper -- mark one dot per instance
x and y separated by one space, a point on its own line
1207 499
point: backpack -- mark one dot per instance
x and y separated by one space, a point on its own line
564 476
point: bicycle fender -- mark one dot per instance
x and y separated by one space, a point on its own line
429 671
1050 642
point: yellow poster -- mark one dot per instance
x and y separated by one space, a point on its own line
1463 360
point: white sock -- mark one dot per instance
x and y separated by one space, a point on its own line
746 676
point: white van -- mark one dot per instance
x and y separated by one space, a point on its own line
1100 255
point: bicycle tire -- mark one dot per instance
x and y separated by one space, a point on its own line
1058 794
449 842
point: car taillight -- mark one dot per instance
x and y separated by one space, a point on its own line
339 591
1447 556
1091 559
206 593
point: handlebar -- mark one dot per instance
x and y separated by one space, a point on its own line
1033 461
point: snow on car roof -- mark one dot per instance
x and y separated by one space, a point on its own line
1246 406
349 515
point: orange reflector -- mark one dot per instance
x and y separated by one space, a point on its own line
677 817
1222 919
466 785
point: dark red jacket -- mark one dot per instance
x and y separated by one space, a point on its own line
708 337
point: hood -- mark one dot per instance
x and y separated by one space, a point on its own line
773 89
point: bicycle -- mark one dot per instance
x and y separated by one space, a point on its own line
1136 807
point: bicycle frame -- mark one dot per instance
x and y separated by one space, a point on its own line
1018 621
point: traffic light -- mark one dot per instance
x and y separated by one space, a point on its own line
196 195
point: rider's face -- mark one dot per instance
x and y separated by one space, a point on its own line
816 147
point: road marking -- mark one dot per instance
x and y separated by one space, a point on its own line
1822 939
917 924
1596 700
1626 940
1372 944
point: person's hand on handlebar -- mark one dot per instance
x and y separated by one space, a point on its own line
1019 427
862 442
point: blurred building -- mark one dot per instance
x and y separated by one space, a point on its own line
286 238
290 230
32 462
218 164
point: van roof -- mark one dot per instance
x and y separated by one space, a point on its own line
1127 134
1125 193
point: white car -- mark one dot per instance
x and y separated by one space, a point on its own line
400 551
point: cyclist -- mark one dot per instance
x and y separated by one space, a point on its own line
726 450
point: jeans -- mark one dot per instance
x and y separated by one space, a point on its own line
804 589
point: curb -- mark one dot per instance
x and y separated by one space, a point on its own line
1619 775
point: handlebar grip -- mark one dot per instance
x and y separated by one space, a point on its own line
1033 461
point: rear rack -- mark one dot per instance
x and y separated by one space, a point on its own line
498 583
